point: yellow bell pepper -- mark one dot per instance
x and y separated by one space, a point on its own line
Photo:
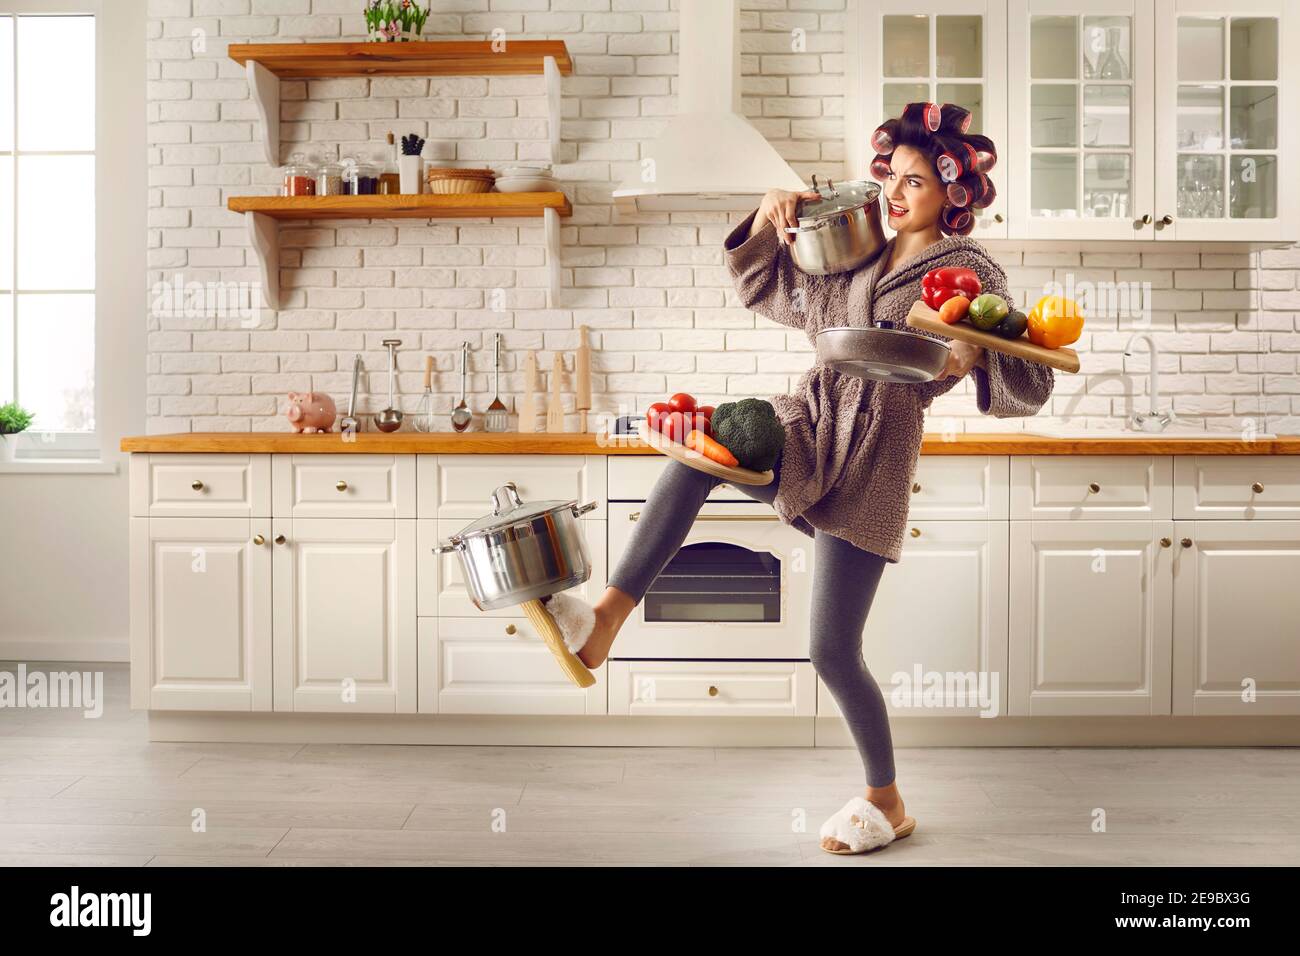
1055 321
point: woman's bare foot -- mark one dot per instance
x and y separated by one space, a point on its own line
611 610
890 803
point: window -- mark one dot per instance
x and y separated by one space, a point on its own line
47 228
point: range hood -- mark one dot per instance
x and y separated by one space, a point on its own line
708 157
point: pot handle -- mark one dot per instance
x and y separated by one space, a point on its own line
813 227
580 510
506 498
445 548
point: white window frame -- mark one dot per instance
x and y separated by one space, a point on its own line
47 445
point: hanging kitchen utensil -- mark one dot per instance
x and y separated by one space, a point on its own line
461 416
521 553
582 378
390 419
528 399
424 411
350 424
555 405
840 231
497 417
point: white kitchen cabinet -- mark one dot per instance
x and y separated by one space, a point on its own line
1091 487
345 618
344 486
460 486
1237 618
1224 87
492 665
937 51
200 486
712 688
941 610
966 487
1091 617
1237 486
201 613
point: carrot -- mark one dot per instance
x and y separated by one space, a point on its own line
710 448
954 310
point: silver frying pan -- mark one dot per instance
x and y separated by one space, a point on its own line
882 354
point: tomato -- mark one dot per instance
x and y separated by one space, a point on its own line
705 410
700 422
681 402
655 411
674 426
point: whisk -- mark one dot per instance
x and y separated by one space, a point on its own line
424 411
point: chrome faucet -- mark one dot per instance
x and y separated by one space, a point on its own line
1151 420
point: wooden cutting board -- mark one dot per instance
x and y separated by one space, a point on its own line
688 456
925 318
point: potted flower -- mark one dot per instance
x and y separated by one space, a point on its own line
394 21
13 421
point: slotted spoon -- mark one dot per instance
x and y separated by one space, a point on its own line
497 416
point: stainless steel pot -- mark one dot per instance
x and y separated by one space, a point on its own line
840 231
521 552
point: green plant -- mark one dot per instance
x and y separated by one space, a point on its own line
751 431
14 419
392 17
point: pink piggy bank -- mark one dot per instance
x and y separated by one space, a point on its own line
311 412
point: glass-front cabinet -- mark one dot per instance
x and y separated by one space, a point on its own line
1114 119
1223 87
1079 114
936 51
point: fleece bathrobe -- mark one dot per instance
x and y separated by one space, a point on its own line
852 444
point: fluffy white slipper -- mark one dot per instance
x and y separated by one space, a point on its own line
575 618
862 826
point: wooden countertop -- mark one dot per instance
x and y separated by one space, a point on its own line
513 443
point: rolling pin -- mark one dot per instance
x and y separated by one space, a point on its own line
555 407
528 399
582 378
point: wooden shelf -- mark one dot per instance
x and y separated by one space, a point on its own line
417 58
466 206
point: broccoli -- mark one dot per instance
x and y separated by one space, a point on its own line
751 431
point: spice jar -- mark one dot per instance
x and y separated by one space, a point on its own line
299 178
329 179
362 179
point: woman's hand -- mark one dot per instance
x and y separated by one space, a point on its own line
779 208
962 357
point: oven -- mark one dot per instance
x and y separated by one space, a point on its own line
738 588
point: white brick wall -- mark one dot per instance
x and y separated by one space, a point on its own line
662 311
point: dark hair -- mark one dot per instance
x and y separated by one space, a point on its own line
961 159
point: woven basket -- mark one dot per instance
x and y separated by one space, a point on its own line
448 181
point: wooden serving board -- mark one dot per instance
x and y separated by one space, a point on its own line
687 456
925 318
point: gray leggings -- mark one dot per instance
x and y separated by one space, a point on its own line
844 583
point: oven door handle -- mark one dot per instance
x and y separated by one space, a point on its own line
633 516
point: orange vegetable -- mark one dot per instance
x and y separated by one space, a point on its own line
710 448
1055 321
954 309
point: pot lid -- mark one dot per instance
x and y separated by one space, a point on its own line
838 197
509 509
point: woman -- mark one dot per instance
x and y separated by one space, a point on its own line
851 444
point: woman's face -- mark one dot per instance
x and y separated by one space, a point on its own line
913 192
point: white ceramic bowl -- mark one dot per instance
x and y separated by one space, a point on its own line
527 184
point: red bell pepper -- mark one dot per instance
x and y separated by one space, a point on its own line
940 285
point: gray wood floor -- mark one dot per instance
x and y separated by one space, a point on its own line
97 792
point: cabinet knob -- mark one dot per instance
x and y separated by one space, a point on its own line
196 485
916 487
341 486
1165 542
713 691
1093 487
997 217
633 516
1186 542
259 540
510 629
279 539
1166 220
916 532
1257 487
1145 220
